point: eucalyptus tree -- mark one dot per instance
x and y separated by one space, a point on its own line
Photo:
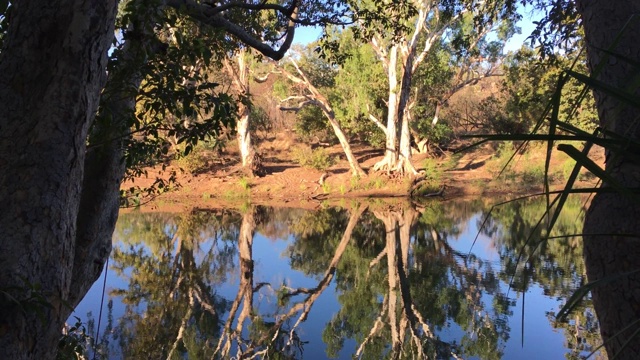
303 93
60 170
238 68
402 52
359 87
528 85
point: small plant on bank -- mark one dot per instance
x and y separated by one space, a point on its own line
355 182
533 175
194 162
318 159
232 195
245 183
501 164
376 183
432 169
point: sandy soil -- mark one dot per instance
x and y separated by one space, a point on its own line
469 174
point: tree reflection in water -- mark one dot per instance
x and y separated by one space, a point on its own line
403 290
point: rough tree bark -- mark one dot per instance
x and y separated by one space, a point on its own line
52 68
617 303
62 199
104 168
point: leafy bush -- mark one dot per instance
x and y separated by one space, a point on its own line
439 133
533 175
74 342
317 159
311 125
245 183
499 121
433 171
194 162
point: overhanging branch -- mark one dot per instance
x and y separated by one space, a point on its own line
213 16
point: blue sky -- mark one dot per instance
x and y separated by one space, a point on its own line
305 35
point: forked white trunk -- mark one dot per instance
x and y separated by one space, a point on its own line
391 151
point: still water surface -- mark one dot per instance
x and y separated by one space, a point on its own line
385 280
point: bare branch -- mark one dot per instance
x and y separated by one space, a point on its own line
211 16
264 78
292 98
378 122
381 52
377 326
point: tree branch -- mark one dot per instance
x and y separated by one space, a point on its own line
211 16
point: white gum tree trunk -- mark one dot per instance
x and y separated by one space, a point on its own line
239 73
391 144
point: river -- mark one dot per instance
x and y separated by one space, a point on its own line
454 279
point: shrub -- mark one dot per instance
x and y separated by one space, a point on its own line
194 162
432 169
533 175
439 133
504 152
317 159
245 183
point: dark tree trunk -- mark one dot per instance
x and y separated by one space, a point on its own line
104 169
52 69
617 303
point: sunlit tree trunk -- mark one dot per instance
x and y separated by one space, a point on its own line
315 97
403 56
52 69
614 255
240 77
244 136
391 152
409 53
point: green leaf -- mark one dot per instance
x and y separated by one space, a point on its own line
581 292
587 163
618 93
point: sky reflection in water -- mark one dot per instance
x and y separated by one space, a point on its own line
315 284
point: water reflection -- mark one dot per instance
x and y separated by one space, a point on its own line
368 281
